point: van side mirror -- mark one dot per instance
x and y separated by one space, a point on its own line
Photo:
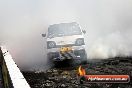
84 31
43 35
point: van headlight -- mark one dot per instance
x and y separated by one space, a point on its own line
79 41
51 44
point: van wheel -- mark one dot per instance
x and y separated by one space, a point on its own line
84 59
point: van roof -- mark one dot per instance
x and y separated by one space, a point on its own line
62 24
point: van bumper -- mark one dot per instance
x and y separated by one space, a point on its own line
76 53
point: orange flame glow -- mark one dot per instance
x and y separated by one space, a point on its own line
81 71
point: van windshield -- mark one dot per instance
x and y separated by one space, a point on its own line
64 29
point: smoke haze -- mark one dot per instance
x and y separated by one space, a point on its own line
108 24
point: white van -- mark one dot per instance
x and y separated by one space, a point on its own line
65 41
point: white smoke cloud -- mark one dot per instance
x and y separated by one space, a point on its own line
107 22
110 46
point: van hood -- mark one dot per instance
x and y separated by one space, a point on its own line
64 40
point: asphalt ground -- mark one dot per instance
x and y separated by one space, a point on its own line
66 76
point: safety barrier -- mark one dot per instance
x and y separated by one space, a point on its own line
11 75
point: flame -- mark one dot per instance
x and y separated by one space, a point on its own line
81 71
